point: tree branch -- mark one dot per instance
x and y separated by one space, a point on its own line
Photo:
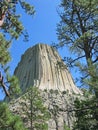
3 85
76 59
2 16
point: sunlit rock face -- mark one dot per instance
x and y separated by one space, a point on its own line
41 66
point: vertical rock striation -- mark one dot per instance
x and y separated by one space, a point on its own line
42 66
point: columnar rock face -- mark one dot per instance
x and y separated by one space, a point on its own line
41 66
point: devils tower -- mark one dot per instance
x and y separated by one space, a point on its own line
41 66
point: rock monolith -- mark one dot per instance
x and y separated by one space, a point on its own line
42 66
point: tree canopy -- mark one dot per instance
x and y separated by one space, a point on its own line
11 28
78 30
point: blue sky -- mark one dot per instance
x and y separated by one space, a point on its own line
41 29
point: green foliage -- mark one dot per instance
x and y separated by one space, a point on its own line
77 30
51 91
45 90
28 8
87 110
34 109
66 127
85 114
43 126
86 92
93 80
11 29
12 25
64 92
9 121
4 54
56 92
14 86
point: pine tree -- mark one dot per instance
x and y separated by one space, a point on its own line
77 30
11 28
36 114
9 121
85 114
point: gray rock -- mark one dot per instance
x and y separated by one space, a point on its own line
41 66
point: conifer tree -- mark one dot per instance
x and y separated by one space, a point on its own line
10 29
9 121
32 107
77 30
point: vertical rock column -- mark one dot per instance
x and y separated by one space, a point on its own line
42 66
